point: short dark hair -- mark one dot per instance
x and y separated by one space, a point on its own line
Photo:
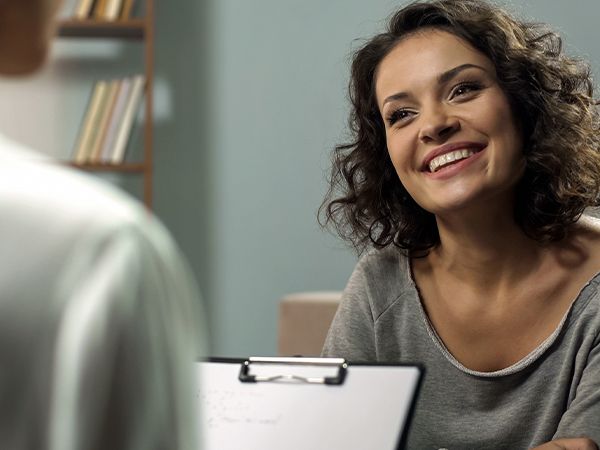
551 95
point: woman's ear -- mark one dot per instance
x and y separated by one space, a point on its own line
26 30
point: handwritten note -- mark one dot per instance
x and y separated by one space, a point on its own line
226 407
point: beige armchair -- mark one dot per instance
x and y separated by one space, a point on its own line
304 319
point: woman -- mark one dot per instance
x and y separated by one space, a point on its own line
476 150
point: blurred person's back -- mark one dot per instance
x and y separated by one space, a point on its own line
98 312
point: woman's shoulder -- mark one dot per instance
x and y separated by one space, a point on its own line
584 239
386 262
578 258
381 276
587 241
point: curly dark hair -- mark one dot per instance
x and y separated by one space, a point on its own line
551 95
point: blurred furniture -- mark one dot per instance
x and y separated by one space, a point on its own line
139 29
304 320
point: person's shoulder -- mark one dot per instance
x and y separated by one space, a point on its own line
384 274
579 253
585 235
35 187
590 222
387 258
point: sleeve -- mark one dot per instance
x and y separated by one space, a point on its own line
124 372
582 418
351 334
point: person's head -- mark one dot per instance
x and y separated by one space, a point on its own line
530 106
26 29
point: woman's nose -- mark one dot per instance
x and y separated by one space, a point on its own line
438 125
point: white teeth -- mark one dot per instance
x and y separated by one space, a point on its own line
447 158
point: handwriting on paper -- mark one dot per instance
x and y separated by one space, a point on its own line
227 407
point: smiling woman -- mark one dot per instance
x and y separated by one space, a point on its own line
475 151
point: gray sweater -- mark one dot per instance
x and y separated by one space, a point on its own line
553 392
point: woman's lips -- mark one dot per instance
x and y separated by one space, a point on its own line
453 168
446 159
450 148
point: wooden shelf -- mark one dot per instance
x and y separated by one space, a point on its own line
120 29
102 167
137 28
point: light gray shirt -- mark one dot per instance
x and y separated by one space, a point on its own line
553 392
99 316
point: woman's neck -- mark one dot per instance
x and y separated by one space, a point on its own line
485 249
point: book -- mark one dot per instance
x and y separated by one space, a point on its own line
85 131
131 108
115 119
96 147
127 9
113 8
84 8
95 123
100 9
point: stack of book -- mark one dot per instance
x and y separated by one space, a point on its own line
103 9
108 120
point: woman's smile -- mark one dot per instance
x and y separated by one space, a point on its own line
450 155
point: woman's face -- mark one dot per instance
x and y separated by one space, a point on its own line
450 130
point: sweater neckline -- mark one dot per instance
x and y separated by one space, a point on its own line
576 306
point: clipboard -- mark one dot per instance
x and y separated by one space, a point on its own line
305 404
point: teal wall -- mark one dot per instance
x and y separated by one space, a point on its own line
259 128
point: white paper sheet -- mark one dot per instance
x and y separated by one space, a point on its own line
368 411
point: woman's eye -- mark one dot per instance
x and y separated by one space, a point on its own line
398 115
464 89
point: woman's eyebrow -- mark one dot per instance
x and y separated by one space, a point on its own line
449 74
441 79
396 96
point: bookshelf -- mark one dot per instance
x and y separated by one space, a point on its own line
140 29
122 29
